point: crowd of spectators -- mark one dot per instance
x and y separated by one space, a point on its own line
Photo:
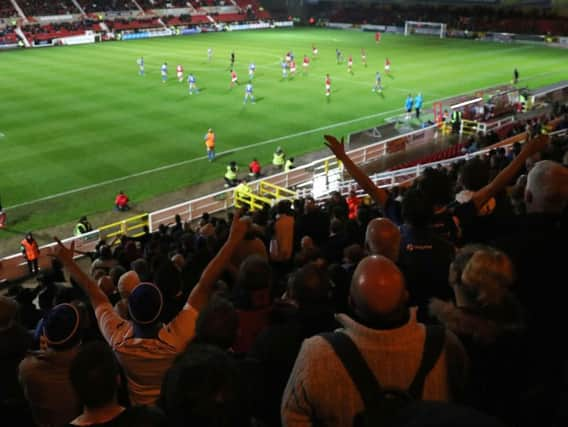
532 126
471 18
60 29
91 6
47 7
219 323
163 4
7 9
207 3
184 19
133 24
7 35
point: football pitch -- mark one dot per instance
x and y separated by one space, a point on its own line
77 124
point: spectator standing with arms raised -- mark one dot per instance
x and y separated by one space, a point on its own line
144 346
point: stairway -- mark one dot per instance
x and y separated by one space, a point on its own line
78 6
20 11
23 37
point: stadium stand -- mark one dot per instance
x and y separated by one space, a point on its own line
163 4
229 17
250 313
253 9
479 18
200 19
226 322
180 20
43 8
91 6
38 32
7 9
125 24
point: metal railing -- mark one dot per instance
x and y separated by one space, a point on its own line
303 178
400 176
294 179
125 227
275 192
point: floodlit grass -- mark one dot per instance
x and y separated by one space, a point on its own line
77 117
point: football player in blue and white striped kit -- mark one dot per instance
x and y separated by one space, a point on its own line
249 93
378 83
141 65
164 72
192 84
284 65
252 70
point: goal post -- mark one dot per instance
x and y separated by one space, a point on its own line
425 28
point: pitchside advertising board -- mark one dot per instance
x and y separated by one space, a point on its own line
146 34
259 25
196 30
87 38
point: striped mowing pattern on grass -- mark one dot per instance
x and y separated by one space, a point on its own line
74 117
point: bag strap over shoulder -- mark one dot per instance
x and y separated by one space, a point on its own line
433 345
364 379
355 365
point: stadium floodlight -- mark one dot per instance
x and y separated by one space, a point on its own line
425 28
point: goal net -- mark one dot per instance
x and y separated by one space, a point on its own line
425 28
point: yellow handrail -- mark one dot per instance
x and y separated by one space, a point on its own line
469 127
125 227
253 201
275 191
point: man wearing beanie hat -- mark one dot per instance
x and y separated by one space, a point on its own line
44 375
144 346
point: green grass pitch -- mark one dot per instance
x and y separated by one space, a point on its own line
77 117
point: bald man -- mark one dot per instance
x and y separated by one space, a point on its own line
383 238
390 340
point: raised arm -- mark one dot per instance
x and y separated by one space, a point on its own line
337 147
87 284
504 177
200 294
